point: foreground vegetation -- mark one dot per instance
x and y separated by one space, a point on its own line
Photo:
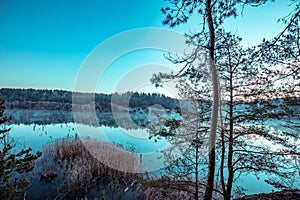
15 163
67 170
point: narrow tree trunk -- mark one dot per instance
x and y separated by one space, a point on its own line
196 171
215 106
230 145
222 166
230 167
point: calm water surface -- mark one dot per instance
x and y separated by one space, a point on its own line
36 136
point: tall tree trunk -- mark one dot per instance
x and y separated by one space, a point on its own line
215 106
230 145
211 175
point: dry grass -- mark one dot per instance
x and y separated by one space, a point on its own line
79 171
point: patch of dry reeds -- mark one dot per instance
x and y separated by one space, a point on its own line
82 164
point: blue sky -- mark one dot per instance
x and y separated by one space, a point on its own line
43 43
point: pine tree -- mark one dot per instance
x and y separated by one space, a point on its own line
250 103
213 16
187 135
13 166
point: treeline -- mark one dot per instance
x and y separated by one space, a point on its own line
39 99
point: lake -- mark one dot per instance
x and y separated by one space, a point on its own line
36 136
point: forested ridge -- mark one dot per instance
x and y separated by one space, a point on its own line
39 99
27 106
43 99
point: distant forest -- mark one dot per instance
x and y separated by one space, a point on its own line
30 106
38 99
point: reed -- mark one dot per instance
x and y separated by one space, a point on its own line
84 165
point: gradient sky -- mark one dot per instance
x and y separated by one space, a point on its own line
43 43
